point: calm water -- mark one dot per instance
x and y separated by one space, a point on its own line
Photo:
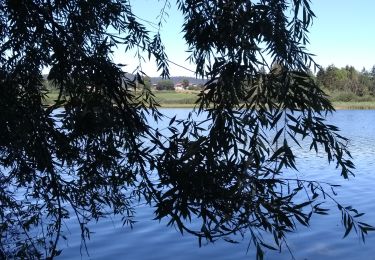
322 240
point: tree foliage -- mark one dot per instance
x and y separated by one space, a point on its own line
146 82
185 83
165 85
347 79
86 155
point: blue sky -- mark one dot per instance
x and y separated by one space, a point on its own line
343 33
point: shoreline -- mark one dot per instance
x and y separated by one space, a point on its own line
354 105
181 101
173 99
336 105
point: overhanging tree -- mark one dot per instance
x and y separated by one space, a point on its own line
86 155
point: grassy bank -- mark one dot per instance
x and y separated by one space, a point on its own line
354 105
167 98
172 99
164 98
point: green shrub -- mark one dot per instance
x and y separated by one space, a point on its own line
165 85
348 96
344 96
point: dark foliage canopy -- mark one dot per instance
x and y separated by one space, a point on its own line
93 151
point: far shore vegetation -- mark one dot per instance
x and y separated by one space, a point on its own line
346 87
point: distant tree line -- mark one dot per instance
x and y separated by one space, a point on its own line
165 85
341 84
347 84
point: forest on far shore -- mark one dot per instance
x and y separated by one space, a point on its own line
347 84
342 85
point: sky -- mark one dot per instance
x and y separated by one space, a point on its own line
343 33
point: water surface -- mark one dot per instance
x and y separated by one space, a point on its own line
322 240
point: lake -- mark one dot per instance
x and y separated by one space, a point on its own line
152 240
